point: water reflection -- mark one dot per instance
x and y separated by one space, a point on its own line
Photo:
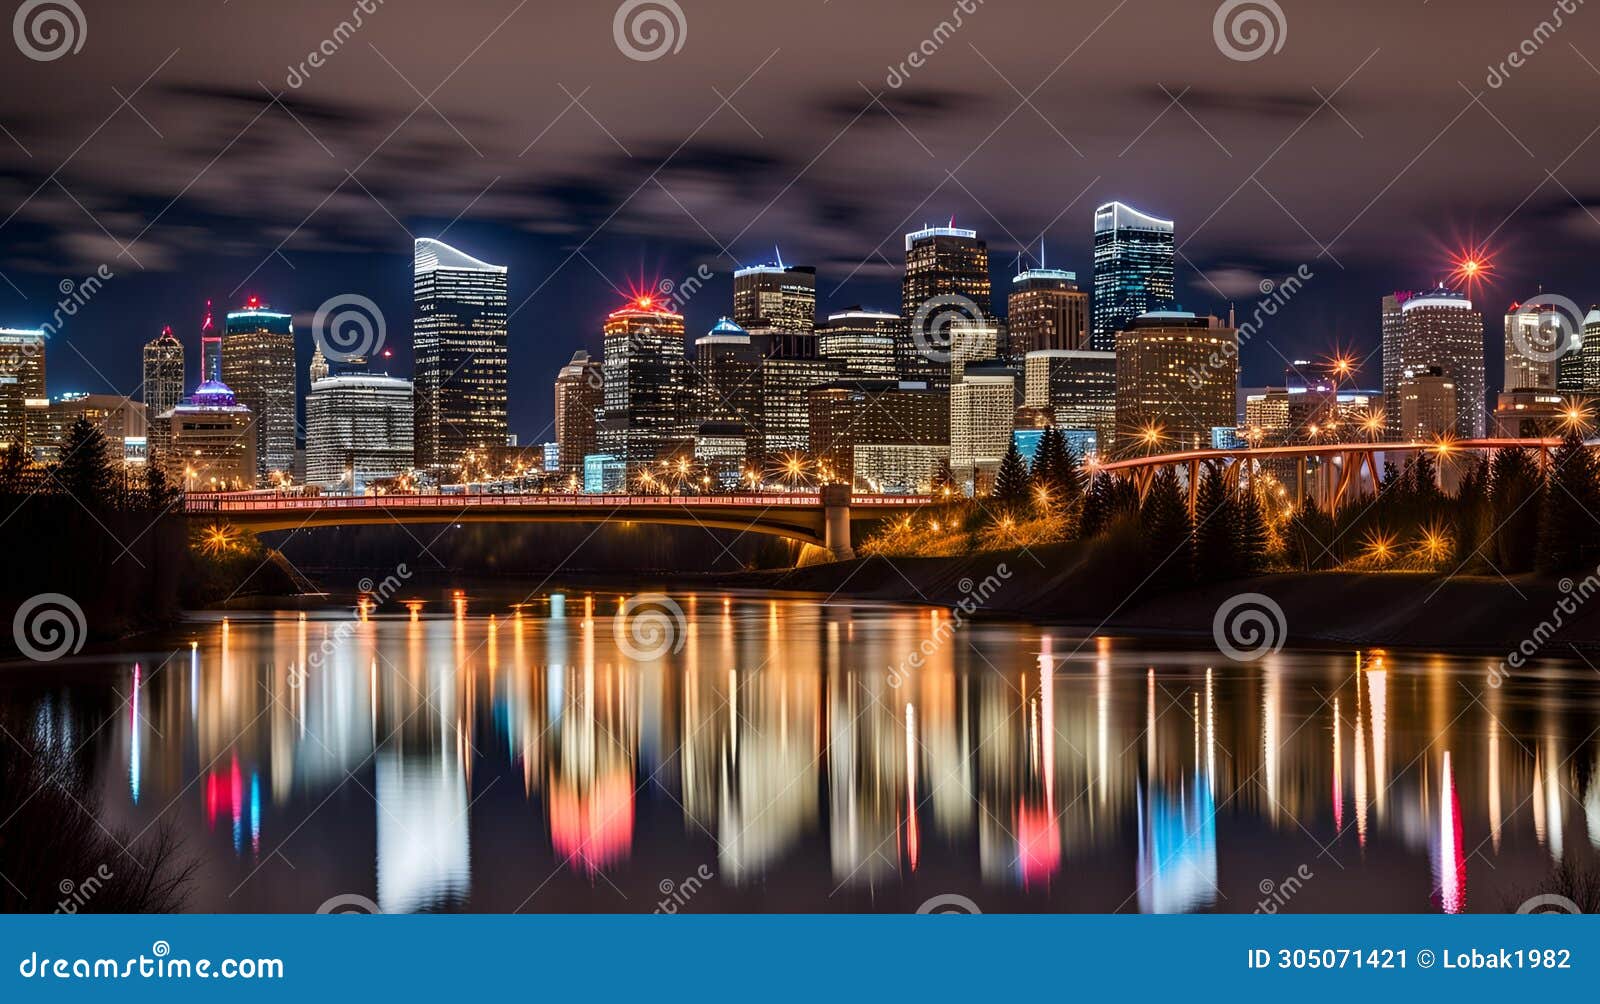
485 757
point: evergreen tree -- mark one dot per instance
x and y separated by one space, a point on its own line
1056 471
1311 533
1168 530
1515 484
84 471
1011 486
1470 521
13 469
1569 537
1253 535
159 493
1216 529
1097 506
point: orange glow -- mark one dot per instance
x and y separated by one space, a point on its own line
1471 268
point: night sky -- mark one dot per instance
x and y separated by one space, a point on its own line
522 133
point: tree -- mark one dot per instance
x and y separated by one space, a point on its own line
1168 530
1515 484
1056 471
159 493
1097 506
1311 533
13 469
1569 537
1216 529
1012 484
84 472
1471 514
1254 537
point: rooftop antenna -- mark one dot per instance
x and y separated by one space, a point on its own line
1041 254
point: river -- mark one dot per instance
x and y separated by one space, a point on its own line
729 753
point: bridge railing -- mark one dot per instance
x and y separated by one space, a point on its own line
247 502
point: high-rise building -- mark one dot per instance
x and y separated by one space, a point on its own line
982 413
861 343
212 441
459 341
1177 380
645 415
23 404
258 364
1428 404
1133 270
318 370
1535 337
358 430
1047 310
947 275
162 390
725 384
880 434
1079 385
780 297
120 420
1443 331
1394 362
580 394
1589 353
785 411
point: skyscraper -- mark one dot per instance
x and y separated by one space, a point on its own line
861 343
782 298
258 364
725 386
358 430
1394 363
1133 269
1047 310
947 276
23 403
879 434
1443 331
459 342
212 441
162 391
1177 380
1535 337
1589 352
982 413
646 397
1427 405
1080 387
579 393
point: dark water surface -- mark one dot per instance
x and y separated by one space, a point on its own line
788 755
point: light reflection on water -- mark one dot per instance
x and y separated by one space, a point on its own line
468 755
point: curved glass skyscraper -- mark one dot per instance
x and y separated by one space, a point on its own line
459 343
1133 270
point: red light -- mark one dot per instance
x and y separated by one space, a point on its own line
644 302
254 302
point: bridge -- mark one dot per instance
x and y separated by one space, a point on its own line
822 519
1343 470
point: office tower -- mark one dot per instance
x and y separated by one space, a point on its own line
318 370
1177 379
1589 352
1428 404
258 365
162 390
780 297
645 408
982 409
785 412
460 346
121 420
580 394
1535 337
1443 330
1394 364
723 450
861 343
212 441
947 275
1047 310
22 387
358 431
1133 270
970 342
724 383
880 435
1079 385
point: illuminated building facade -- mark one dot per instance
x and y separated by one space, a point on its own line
1443 331
1530 414
940 262
162 389
22 388
1133 270
982 411
725 385
1079 385
120 420
1429 400
782 298
861 343
258 364
580 388
1047 310
1176 380
213 441
1535 337
459 341
645 410
785 409
903 430
358 430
